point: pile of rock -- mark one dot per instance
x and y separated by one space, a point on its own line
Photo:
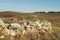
25 27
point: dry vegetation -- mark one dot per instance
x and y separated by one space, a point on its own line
53 17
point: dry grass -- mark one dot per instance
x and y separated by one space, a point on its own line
53 17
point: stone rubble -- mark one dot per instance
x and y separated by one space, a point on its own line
25 27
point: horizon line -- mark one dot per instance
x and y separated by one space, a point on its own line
30 12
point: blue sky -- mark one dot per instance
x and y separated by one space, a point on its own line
29 5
